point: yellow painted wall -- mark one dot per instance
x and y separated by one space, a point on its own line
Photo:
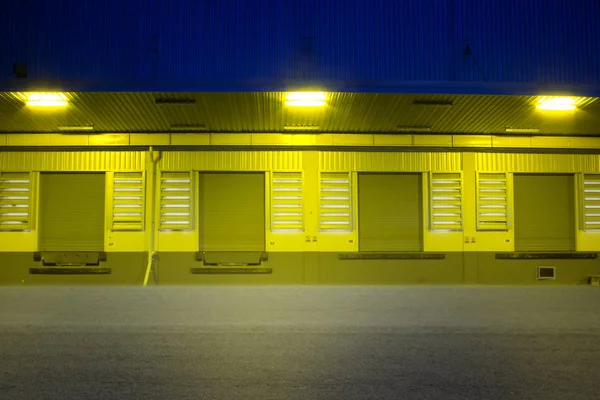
311 162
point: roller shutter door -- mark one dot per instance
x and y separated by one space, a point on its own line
390 212
72 212
544 212
232 211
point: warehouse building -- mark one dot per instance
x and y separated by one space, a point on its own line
279 145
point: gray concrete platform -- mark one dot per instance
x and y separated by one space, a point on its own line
300 343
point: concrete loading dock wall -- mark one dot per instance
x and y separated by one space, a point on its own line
311 254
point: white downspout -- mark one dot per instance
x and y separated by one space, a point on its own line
152 254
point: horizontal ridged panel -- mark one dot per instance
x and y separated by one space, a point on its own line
514 162
240 114
73 161
231 160
389 161
514 41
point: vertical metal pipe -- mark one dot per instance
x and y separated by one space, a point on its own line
152 210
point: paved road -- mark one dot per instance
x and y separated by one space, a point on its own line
300 343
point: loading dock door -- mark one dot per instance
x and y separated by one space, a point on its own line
71 212
544 212
232 211
390 212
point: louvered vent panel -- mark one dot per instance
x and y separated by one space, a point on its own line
445 201
176 205
591 202
287 202
492 210
128 201
15 201
335 197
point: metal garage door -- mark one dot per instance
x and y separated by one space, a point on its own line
72 212
544 212
390 212
232 211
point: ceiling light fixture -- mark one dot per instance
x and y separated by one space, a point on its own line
46 99
188 128
522 130
305 99
413 128
556 103
301 127
75 128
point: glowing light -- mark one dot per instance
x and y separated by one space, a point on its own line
301 127
556 104
75 128
306 99
522 130
46 100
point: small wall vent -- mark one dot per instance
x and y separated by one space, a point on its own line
546 273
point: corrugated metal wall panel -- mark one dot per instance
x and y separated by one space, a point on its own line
389 161
73 161
231 160
515 162
420 40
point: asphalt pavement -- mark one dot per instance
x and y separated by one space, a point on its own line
207 342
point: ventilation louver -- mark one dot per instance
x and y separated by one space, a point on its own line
15 201
335 199
128 201
287 202
492 213
176 205
445 201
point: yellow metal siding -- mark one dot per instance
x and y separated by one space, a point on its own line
72 212
471 141
232 211
390 212
72 161
544 212
231 160
389 161
557 163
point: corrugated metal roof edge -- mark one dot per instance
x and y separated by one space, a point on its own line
265 85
